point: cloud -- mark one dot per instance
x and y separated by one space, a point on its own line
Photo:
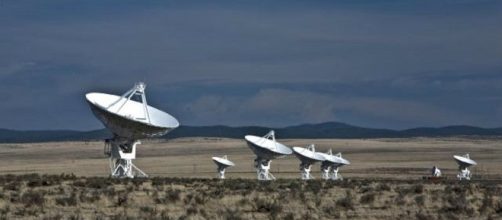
274 63
285 107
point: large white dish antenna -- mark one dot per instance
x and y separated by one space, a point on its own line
128 118
267 147
464 161
223 161
332 163
307 156
335 159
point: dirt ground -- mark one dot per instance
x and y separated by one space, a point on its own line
384 181
409 158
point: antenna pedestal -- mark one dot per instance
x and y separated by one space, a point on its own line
223 163
335 175
121 154
464 173
221 172
325 168
464 162
263 169
305 168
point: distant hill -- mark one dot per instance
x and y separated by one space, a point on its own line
13 136
322 130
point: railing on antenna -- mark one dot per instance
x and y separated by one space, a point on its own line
271 136
138 89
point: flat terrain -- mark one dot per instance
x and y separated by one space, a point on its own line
384 181
191 157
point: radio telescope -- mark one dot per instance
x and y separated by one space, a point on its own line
307 156
332 163
266 149
222 163
464 162
129 121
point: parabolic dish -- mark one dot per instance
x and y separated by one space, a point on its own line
223 161
464 161
266 148
307 155
334 159
127 117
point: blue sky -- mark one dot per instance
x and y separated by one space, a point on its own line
390 64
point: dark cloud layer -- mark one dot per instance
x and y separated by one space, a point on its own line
392 64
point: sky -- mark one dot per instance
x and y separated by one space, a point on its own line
387 64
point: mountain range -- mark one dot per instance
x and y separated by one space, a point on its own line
321 130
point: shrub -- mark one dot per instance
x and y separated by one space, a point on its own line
173 195
97 183
331 211
32 198
347 202
262 205
367 198
191 211
424 216
14 186
146 209
295 186
89 197
418 188
233 214
122 199
383 187
67 201
420 200
289 216
314 186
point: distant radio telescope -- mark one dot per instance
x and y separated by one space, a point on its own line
332 163
464 162
307 156
266 149
223 163
129 120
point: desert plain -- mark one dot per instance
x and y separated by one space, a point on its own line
406 158
69 180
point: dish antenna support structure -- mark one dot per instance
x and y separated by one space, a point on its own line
332 163
307 156
266 149
129 120
464 162
223 163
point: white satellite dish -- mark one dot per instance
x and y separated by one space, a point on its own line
307 156
223 163
332 162
464 162
129 121
266 149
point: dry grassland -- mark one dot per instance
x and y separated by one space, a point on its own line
191 157
69 197
383 182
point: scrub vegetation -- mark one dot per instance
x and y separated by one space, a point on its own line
69 197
